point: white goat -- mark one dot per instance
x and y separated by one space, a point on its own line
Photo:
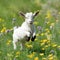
26 31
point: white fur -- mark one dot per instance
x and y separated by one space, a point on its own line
27 29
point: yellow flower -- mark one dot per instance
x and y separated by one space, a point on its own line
52 24
55 57
9 54
48 23
48 15
51 58
43 58
49 44
1 20
58 46
42 34
42 44
3 29
43 48
45 40
50 55
58 12
36 39
41 54
54 45
46 46
29 46
57 21
37 34
48 36
31 55
46 29
8 42
36 58
18 52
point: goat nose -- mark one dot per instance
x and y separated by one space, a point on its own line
31 22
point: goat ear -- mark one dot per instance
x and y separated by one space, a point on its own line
36 13
22 14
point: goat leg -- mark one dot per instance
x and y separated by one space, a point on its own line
33 38
28 38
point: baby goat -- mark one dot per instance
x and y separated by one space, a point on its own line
26 31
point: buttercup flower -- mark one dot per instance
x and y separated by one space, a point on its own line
17 54
29 46
41 54
8 42
31 55
48 15
3 29
36 58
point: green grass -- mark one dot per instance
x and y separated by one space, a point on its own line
48 39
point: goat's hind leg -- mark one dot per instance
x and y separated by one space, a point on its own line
22 45
14 44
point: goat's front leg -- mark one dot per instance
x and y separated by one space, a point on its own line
33 37
33 34
21 46
28 36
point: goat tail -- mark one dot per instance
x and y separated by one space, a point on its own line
15 27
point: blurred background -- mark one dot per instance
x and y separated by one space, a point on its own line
10 8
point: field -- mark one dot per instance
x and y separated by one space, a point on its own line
47 43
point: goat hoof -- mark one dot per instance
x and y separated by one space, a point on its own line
33 38
28 38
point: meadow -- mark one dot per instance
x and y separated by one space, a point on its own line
47 43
